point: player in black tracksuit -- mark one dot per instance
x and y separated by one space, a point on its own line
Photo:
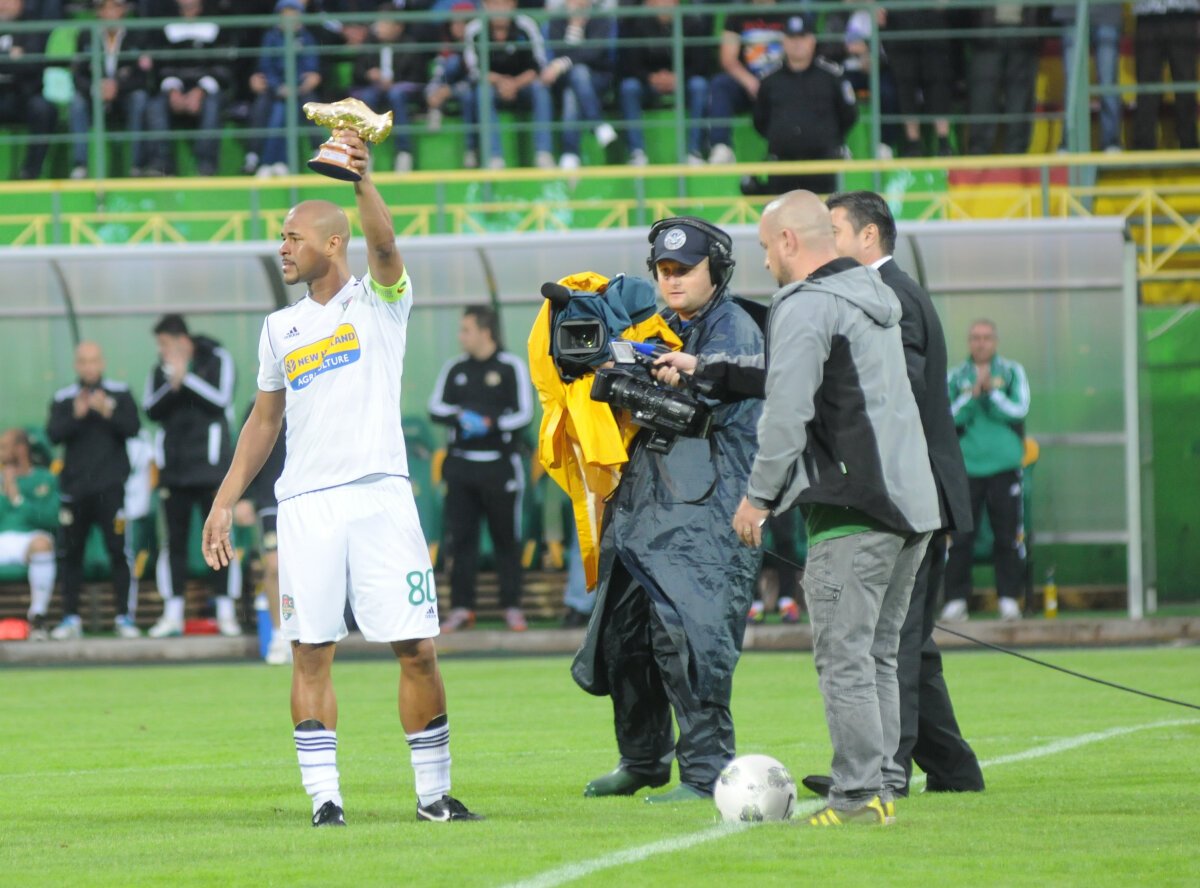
804 110
92 418
189 393
485 397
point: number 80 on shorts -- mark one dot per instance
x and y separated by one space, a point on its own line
421 587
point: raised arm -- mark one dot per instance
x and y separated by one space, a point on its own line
383 257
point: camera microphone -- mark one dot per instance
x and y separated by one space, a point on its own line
558 295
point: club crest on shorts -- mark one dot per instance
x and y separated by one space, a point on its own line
287 607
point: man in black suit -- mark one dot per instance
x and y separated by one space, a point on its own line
865 230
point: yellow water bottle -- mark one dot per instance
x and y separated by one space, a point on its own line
1050 595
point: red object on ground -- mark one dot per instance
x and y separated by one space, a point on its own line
14 629
200 626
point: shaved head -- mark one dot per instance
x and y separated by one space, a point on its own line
324 218
796 232
315 236
802 213
89 362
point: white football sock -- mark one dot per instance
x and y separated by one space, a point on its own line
431 762
173 609
317 752
42 570
225 609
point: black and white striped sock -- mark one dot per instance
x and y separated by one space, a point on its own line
430 751
317 752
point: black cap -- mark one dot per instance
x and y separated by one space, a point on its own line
683 243
795 26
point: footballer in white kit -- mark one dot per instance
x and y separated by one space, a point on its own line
347 525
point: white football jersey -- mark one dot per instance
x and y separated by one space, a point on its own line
340 366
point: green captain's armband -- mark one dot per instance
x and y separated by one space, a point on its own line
394 293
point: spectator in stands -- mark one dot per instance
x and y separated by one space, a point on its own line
924 74
190 87
123 86
246 42
45 10
28 520
448 77
1165 30
272 91
751 48
989 397
1000 76
189 393
260 508
804 110
853 53
391 71
93 418
1104 20
516 56
648 69
21 99
583 46
485 398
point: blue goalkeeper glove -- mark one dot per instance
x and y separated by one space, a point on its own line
473 425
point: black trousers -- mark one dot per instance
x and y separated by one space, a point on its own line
1005 66
1170 38
77 516
923 74
648 680
476 490
929 732
178 508
42 119
1003 496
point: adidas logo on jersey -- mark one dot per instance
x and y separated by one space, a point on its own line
432 612
290 333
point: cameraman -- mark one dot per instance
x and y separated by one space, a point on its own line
674 583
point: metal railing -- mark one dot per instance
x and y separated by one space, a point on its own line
1075 109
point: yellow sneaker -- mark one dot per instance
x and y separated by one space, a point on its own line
873 813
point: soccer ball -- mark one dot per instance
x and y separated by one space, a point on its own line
755 788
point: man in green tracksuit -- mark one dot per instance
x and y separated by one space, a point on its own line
989 396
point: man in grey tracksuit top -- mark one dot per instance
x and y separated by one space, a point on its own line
840 436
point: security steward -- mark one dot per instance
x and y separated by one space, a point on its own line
804 110
674 583
93 418
486 398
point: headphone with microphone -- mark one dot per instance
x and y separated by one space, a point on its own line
720 247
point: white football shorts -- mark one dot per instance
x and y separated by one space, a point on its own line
15 543
362 543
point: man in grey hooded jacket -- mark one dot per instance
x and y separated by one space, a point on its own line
840 436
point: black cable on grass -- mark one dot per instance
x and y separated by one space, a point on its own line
1004 650
1111 684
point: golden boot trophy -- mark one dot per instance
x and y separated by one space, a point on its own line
332 159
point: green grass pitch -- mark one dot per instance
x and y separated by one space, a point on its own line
186 775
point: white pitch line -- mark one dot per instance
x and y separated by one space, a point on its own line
573 871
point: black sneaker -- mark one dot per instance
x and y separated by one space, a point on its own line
818 783
329 814
445 809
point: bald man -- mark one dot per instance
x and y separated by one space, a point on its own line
347 526
93 418
854 460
